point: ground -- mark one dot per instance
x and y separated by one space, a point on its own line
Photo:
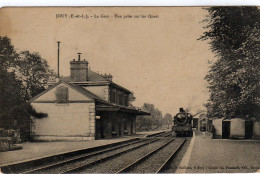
40 149
204 154
225 156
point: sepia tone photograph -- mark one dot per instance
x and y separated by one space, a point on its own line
130 89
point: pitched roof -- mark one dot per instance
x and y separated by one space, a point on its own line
85 92
114 107
92 76
77 88
120 87
95 77
94 97
45 91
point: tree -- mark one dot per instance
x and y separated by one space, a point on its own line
167 120
21 114
156 114
10 86
10 91
234 77
34 72
22 75
149 122
8 55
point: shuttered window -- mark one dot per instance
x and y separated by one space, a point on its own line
62 94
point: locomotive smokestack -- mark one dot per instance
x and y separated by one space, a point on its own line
182 110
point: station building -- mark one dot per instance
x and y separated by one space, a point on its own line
236 128
84 106
200 121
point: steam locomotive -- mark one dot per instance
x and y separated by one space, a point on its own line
182 123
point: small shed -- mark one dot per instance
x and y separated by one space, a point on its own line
236 128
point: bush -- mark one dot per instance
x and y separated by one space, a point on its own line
8 138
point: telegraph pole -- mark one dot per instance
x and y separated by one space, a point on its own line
58 59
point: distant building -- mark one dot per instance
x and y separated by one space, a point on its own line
235 128
84 106
200 121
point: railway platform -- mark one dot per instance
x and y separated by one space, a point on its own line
37 150
207 155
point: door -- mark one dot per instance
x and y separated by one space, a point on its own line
132 125
249 128
195 123
225 129
119 127
98 129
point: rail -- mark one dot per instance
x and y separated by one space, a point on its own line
127 168
81 167
163 166
47 167
60 159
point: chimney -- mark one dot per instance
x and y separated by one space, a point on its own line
79 70
79 56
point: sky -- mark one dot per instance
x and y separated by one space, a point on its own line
159 59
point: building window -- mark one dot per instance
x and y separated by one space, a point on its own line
118 97
112 96
62 94
121 99
126 100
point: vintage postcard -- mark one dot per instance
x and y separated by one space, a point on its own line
130 89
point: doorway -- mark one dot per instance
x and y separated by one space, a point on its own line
132 126
249 129
98 129
225 129
195 123
119 127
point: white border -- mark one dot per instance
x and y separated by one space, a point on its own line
14 3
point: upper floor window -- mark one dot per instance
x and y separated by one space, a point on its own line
121 99
112 96
126 100
62 94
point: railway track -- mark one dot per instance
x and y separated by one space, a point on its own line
66 166
170 157
155 161
149 159
164 134
89 162
48 161
85 165
161 134
81 165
